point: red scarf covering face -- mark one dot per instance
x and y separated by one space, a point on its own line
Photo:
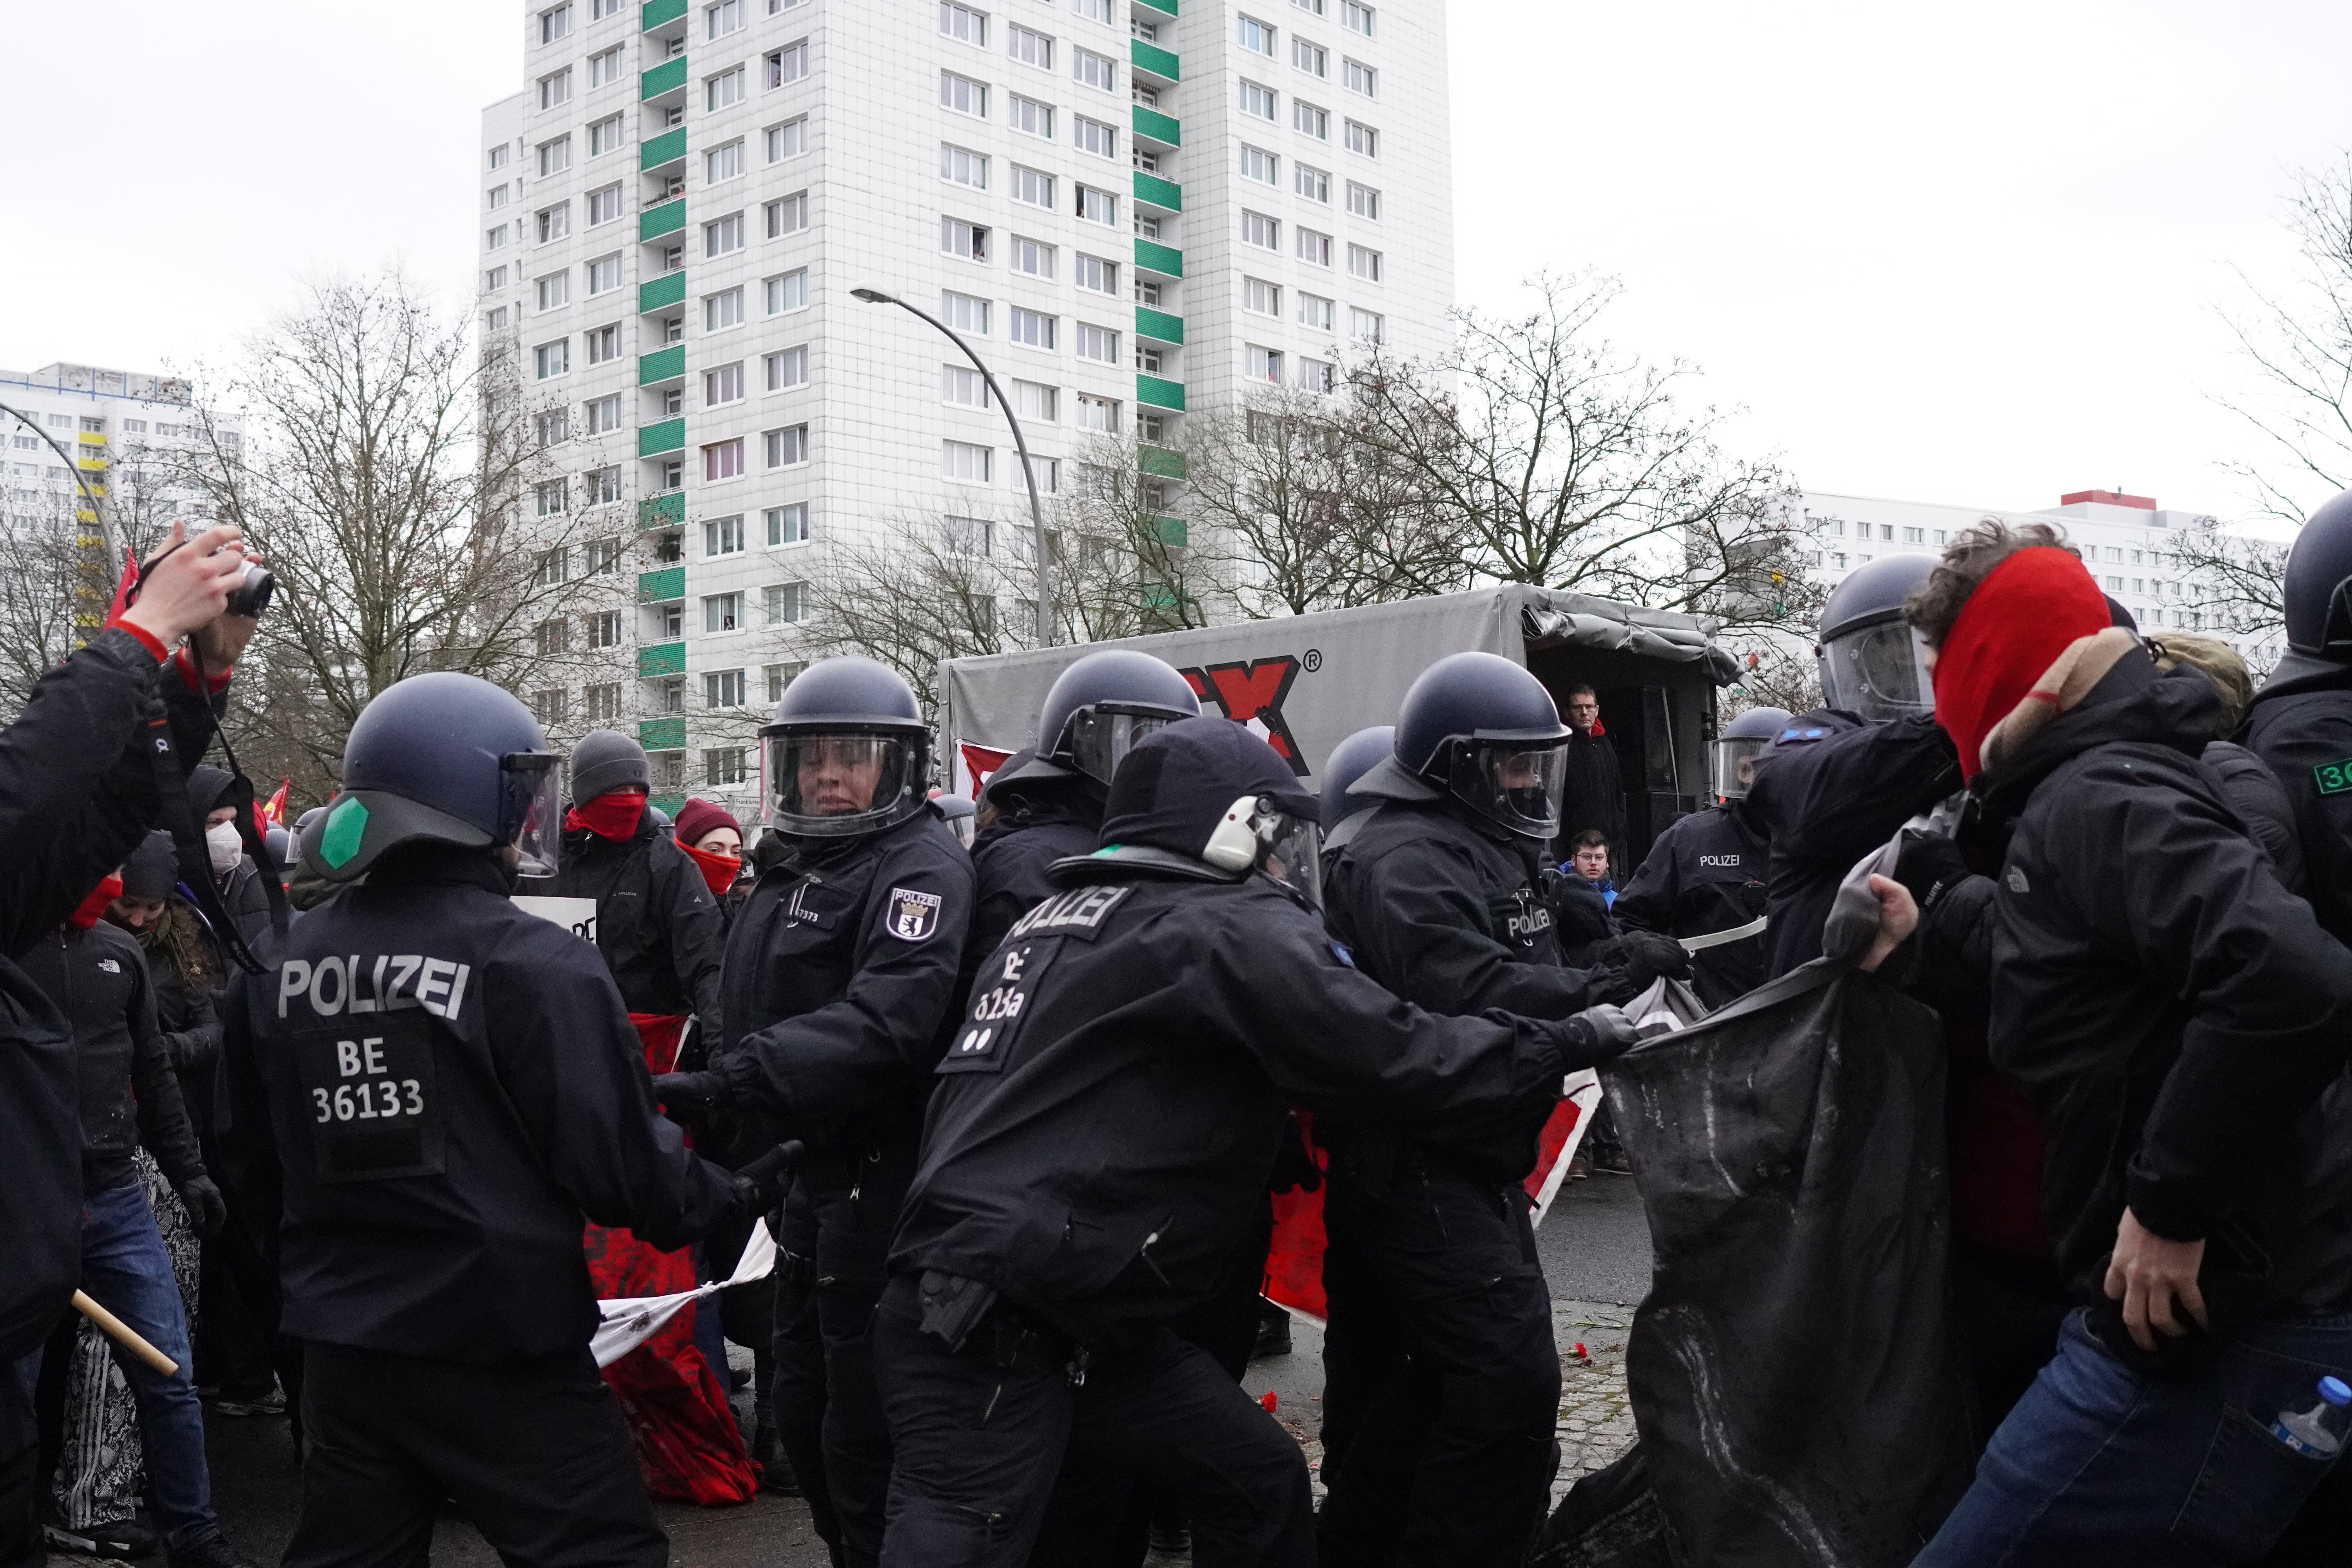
2019 619
719 871
615 816
105 893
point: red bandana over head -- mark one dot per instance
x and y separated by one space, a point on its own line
612 816
2017 623
92 907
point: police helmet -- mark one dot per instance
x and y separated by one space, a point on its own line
281 843
2318 589
442 758
1481 728
849 752
1104 704
1732 754
1871 662
1206 800
1349 761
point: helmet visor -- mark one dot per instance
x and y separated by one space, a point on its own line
1291 854
1515 784
1733 763
831 783
1879 671
532 810
1097 738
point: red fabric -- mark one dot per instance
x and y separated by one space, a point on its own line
1597 732
1998 1144
147 639
273 812
980 761
698 819
1294 1260
2014 628
105 893
688 1446
210 685
719 871
121 600
615 816
1556 1129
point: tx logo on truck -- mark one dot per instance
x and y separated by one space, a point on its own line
1252 690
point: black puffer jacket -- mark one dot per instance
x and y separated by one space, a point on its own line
2180 1019
656 923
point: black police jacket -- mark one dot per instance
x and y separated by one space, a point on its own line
1009 862
1824 800
2177 1017
1111 1109
841 986
1705 873
2262 802
77 792
2301 725
451 1087
129 1093
656 922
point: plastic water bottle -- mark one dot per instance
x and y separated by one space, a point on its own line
2318 1431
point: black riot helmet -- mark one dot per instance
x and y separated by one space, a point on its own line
1871 662
1349 761
1105 704
2319 583
1732 753
441 758
1485 730
849 752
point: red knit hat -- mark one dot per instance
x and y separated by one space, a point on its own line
698 819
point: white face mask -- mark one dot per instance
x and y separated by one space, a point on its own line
224 845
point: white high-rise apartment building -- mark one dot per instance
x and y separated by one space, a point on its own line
1129 208
112 422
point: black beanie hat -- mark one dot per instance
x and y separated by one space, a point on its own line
153 869
1177 784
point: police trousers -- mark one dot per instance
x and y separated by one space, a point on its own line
535 1452
978 1435
1452 1462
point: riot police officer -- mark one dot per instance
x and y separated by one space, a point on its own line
1441 898
840 985
1704 874
425 1093
1104 1123
2300 722
1344 811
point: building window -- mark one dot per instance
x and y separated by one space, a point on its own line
1317 375
722 309
968 240
724 90
723 385
724 766
1090 70
1363 139
494 238
1314 121
1033 328
785 602
604 136
554 24
604 274
722 612
556 221
964 312
788 291
1033 258
605 629
787 369
723 459
1261 295
494 279
1315 248
1150 360
499 156
1262 364
1095 10
555 89
787 447
722 536
1309 57
1031 185
964 23
966 463
789 64
1364 262
1363 79
1257 101
1097 206
552 359
963 95
968 535
1260 165
962 385
549 707
1312 183
1363 201
604 206
553 429
1253 36
1029 116
1098 343
603 484
605 68
723 19
1094 273
789 139
1094 136
720 236
723 162
1029 48
777 677
548 638
1355 18
963 166
788 525
499 197
550 496
1365 326
1261 230
1099 413
604 343
1037 404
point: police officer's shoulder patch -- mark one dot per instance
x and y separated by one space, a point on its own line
2333 778
912 915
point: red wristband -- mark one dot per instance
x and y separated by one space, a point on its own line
147 639
210 686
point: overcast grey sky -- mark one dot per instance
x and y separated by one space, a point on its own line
1958 261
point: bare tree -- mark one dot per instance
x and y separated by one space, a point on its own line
924 590
1569 463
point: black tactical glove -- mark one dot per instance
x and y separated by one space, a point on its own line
1597 1035
687 1097
208 1210
1632 961
1930 865
760 1185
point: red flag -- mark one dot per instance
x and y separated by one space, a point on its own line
273 815
123 587
980 761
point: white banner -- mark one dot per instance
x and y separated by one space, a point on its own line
631 1320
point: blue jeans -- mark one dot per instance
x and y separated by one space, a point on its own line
126 1270
2101 1463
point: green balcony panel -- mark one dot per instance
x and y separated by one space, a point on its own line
666 511
670 147
663 364
669 436
662 734
1172 531
1152 58
1154 192
1167 7
654 13
1159 462
661 658
660 588
667 218
1159 392
670 805
1159 325
661 293
1154 126
1165 259
665 78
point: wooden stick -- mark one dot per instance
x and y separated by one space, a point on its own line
131 1339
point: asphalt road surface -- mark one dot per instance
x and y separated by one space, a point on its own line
1595 1242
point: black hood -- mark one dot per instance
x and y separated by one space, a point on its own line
2132 704
1175 786
206 785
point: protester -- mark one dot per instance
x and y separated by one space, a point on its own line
1592 794
710 837
238 879
841 981
2174 1018
431 1250
1130 1061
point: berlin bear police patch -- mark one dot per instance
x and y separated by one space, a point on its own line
913 916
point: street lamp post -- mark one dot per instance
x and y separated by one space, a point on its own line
1020 443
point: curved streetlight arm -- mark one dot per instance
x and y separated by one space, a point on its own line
104 533
1020 443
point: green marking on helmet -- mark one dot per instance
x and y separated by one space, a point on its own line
346 825
1105 849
